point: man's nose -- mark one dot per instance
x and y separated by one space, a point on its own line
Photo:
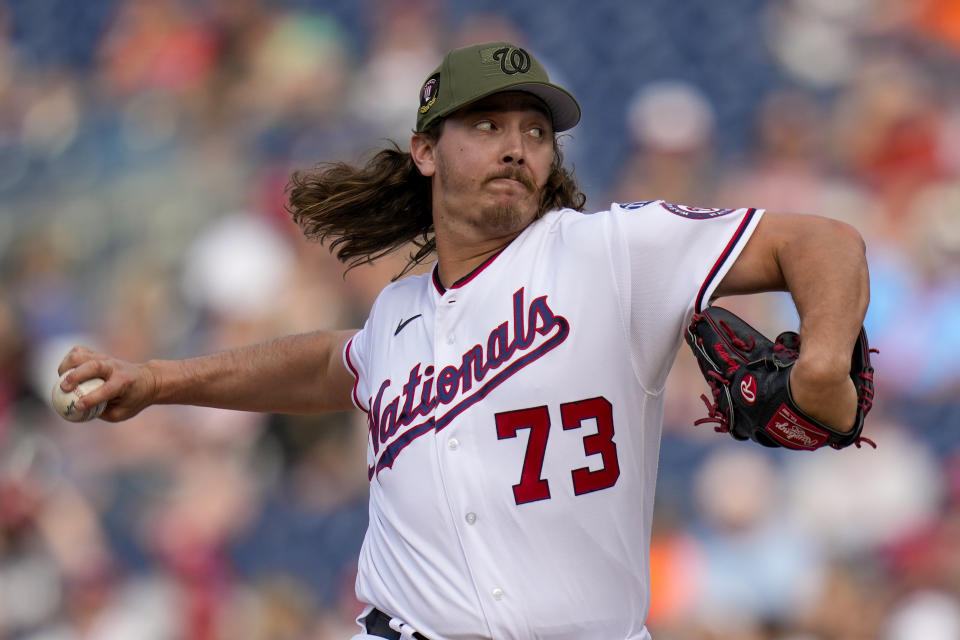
513 152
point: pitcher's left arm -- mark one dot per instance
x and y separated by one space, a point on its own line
822 263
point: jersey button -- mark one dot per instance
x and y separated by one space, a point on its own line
451 339
497 593
471 518
453 444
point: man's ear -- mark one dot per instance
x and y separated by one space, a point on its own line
423 151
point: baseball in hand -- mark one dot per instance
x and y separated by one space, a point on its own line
64 401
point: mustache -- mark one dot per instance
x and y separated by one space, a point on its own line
513 174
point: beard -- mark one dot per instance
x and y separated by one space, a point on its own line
503 218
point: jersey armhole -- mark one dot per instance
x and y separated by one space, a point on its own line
354 396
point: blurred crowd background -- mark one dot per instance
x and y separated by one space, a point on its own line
144 150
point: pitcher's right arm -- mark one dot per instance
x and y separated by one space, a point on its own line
301 373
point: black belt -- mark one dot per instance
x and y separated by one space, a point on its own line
378 624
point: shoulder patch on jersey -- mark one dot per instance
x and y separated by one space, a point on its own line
636 205
696 213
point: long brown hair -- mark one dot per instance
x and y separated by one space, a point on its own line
373 210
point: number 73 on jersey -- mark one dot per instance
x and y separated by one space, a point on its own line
532 487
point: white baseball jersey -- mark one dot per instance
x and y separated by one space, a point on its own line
515 418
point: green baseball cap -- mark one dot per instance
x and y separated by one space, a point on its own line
471 73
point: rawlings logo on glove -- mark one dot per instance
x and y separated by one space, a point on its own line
749 378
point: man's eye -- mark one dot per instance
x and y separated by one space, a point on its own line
484 125
537 132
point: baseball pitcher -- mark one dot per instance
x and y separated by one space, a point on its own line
514 393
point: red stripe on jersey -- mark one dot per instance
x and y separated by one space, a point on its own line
436 280
356 377
698 306
473 274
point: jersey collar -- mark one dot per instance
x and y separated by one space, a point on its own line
467 278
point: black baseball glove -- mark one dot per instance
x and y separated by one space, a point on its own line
749 379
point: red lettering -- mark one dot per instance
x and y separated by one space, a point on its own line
732 364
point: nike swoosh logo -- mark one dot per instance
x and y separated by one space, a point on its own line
404 323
